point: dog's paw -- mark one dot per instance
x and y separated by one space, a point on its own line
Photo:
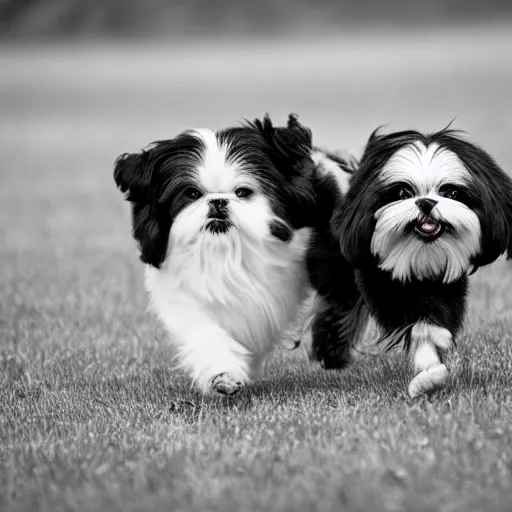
225 385
428 381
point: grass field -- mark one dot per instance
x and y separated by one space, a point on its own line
91 415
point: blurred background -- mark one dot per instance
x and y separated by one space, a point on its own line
116 74
36 18
82 81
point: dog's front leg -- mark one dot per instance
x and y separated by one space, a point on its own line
428 343
215 361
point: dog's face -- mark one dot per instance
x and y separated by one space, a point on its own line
426 207
206 189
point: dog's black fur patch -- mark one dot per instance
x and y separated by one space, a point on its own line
345 273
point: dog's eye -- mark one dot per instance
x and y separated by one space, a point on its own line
243 192
405 193
193 193
451 193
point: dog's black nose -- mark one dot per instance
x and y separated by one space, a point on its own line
426 205
218 208
219 203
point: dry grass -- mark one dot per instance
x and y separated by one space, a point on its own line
91 415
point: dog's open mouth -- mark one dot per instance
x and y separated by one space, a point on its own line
428 228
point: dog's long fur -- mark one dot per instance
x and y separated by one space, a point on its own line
223 220
422 213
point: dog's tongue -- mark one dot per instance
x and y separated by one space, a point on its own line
428 226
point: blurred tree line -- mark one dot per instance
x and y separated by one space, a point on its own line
36 18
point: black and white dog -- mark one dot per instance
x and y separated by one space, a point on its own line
421 214
223 220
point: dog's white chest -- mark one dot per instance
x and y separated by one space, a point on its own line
254 294
255 315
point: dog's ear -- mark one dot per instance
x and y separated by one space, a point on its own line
353 225
353 222
289 149
133 174
495 212
496 225
494 190
290 146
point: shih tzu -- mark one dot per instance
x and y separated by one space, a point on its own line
421 214
223 220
